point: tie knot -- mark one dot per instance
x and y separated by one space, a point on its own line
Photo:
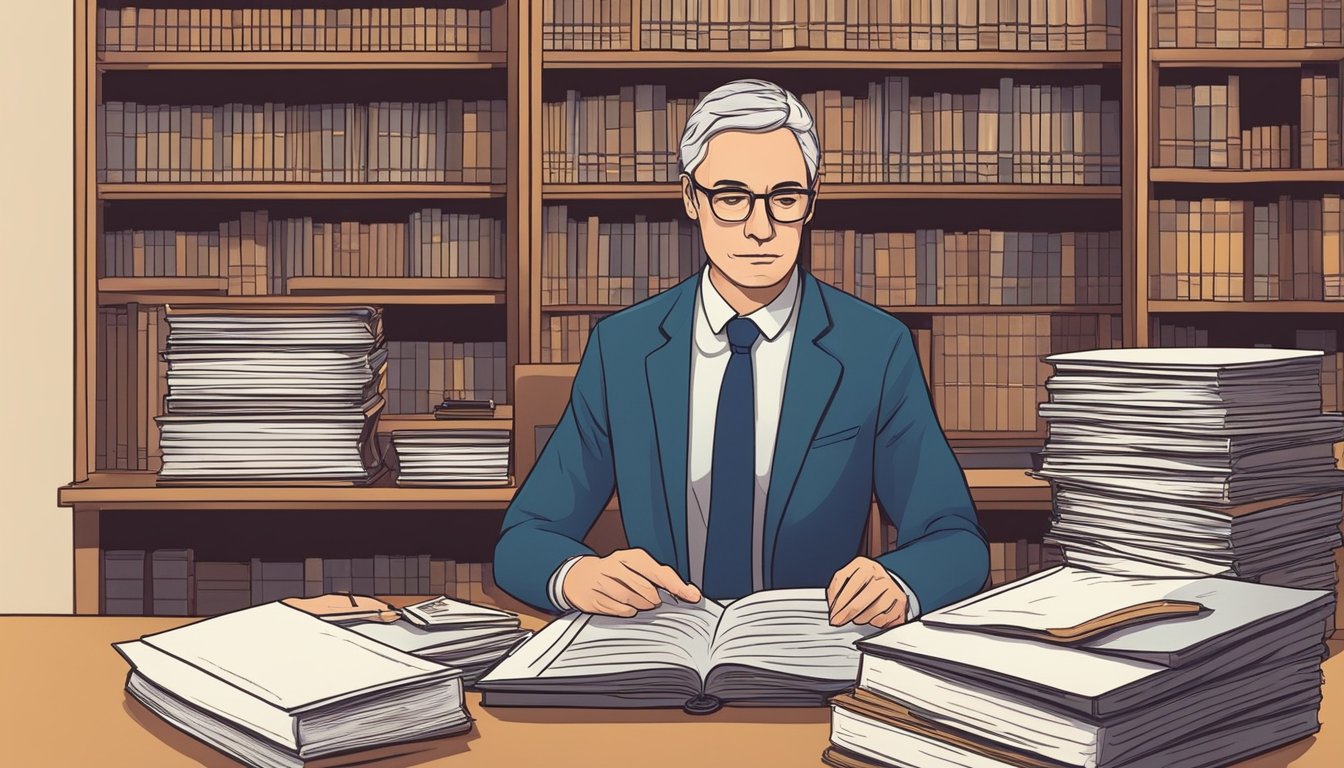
742 334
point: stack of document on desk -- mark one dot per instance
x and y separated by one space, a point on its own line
286 395
274 686
469 637
1076 668
456 457
1193 462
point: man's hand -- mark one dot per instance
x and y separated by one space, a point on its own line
622 583
864 592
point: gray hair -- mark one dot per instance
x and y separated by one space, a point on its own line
748 105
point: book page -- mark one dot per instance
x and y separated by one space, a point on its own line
788 632
672 634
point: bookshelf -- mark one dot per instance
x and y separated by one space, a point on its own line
528 59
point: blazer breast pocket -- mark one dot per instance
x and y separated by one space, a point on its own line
836 437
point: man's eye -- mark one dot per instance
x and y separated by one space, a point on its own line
732 199
786 201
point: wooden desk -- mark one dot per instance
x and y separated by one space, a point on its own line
64 705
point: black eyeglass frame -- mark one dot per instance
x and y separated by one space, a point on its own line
810 194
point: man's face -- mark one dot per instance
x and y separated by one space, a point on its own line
759 251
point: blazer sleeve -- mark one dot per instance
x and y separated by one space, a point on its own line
560 500
921 489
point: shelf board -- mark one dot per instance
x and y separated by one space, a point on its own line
672 191
503 419
397 284
1008 309
271 60
297 191
162 284
1242 57
1229 176
830 59
369 298
1263 307
137 491
944 309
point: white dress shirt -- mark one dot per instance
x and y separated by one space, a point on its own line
709 361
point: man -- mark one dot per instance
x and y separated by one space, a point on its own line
747 416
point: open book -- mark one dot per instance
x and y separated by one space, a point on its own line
772 648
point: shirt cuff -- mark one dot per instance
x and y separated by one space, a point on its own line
912 601
555 589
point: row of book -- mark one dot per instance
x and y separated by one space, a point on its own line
883 25
1165 333
986 372
1290 249
988 267
449 141
172 582
259 254
405 28
1246 24
422 373
590 261
1199 126
131 384
1012 133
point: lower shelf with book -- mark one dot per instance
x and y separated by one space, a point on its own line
172 582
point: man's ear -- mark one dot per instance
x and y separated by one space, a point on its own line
688 198
812 211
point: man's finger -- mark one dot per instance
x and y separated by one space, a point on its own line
887 601
856 584
663 576
618 590
605 605
892 618
838 582
872 592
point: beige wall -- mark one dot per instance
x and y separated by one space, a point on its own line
36 287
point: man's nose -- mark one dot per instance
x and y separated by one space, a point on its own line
758 225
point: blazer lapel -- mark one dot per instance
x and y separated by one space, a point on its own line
814 372
668 370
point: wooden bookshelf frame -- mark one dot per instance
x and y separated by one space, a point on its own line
523 195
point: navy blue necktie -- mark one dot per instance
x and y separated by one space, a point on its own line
733 474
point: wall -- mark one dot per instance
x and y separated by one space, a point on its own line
36 288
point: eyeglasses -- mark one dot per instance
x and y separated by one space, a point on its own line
735 204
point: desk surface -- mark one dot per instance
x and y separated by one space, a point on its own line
64 705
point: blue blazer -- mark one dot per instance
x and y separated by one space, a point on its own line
856 419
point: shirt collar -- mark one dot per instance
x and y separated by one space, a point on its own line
771 318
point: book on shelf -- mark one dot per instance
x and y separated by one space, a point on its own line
462 408
592 261
1264 24
259 254
1199 249
281 395
451 457
446 141
131 385
774 647
1012 133
940 25
345 30
1321 117
986 370
274 686
421 374
150 583
986 267
1241 675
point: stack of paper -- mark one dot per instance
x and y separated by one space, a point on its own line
1194 461
286 395
470 637
273 686
1075 668
457 457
